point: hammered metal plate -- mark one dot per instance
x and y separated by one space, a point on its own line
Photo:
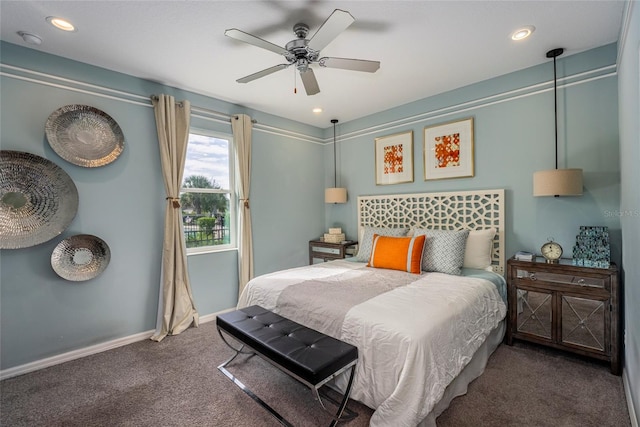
84 135
80 257
38 200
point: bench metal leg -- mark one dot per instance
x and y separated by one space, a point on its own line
342 406
252 395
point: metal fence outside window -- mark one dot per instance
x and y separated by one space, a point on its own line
198 234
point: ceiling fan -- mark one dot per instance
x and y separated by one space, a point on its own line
303 52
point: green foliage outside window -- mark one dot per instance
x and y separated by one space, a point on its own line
205 215
200 203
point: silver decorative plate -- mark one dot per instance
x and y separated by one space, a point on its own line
38 200
80 257
84 135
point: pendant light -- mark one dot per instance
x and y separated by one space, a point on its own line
335 194
557 182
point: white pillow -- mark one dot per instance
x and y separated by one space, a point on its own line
477 253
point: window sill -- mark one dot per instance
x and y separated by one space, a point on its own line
210 251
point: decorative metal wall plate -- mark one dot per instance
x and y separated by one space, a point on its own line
38 200
84 135
80 257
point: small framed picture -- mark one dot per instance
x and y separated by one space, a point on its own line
394 158
448 150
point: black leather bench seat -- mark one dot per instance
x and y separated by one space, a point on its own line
308 354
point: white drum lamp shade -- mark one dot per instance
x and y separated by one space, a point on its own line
557 182
335 195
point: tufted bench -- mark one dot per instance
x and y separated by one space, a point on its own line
305 354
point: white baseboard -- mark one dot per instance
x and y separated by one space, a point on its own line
88 351
627 395
210 317
73 355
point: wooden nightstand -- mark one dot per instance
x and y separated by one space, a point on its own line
566 307
328 251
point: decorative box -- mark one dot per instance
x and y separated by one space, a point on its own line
592 248
334 238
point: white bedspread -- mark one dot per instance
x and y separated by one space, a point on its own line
412 340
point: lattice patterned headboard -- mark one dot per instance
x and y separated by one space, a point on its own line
460 210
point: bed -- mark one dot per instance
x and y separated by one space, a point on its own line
423 332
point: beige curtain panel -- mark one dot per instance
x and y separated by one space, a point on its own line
176 310
242 126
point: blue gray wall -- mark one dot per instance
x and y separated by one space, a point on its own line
43 315
629 102
514 137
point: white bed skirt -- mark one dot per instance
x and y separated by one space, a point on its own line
473 370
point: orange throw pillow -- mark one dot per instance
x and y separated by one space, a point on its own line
397 253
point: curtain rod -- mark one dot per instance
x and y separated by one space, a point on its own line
206 110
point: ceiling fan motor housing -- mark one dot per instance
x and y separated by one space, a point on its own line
298 49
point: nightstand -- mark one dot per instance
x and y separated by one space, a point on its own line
566 307
328 251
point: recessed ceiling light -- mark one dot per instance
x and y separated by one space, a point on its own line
317 110
523 33
61 23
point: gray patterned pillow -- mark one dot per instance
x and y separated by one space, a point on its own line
366 242
443 250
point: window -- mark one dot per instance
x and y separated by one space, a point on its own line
207 199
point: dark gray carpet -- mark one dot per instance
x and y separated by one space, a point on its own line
176 383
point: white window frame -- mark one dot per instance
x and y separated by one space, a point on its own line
233 197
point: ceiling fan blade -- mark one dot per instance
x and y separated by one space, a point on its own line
350 64
336 23
309 81
262 73
234 33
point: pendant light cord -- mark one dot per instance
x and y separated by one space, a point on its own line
555 105
335 169
554 53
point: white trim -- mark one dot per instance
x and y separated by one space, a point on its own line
88 351
77 82
475 104
73 355
211 317
627 395
72 89
210 115
293 135
624 30
466 106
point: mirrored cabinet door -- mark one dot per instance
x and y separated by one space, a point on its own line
584 322
535 313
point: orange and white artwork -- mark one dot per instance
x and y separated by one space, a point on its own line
448 150
394 158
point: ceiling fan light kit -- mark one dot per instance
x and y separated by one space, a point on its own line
303 52
557 182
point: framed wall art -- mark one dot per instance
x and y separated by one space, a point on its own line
394 158
448 150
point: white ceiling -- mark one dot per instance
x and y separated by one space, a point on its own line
425 47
